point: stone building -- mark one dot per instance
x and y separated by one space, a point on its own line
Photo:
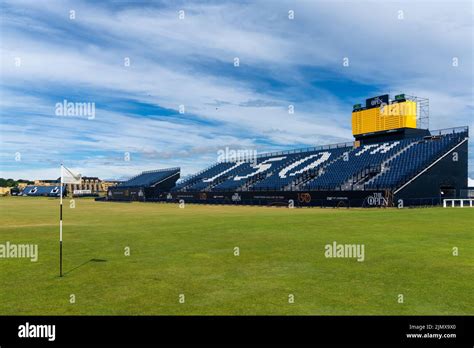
88 185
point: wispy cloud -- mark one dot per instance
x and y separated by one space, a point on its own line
190 62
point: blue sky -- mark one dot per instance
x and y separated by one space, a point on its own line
401 46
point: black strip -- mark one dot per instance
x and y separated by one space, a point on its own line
206 330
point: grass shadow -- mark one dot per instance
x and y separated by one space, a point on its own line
83 264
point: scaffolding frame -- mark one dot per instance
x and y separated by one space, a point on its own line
422 111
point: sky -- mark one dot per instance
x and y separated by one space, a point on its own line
162 80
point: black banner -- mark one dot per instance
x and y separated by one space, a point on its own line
409 330
375 102
330 199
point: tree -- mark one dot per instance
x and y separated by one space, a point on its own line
8 182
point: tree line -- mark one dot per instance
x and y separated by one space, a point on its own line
12 182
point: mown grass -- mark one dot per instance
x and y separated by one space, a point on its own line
190 251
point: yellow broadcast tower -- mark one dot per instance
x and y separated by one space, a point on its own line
381 114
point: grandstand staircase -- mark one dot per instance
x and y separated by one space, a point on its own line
193 179
385 164
252 181
188 185
223 178
216 182
389 198
247 186
356 182
312 175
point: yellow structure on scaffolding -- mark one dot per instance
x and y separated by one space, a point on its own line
385 117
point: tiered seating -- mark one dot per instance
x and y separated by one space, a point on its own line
354 162
245 171
205 178
371 166
296 166
50 191
403 167
270 172
150 178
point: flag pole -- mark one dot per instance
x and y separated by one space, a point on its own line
61 224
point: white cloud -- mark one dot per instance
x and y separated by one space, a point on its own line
187 62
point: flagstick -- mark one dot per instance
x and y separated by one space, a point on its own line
67 177
61 225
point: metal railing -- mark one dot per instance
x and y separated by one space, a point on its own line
454 130
461 201
308 149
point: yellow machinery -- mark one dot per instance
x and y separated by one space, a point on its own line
384 116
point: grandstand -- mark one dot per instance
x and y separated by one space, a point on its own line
146 184
39 190
393 160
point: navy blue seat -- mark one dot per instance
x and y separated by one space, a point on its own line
371 166
150 178
38 190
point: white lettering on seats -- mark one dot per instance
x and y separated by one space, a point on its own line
261 167
384 148
222 173
324 157
365 149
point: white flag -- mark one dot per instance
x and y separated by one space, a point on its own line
68 177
